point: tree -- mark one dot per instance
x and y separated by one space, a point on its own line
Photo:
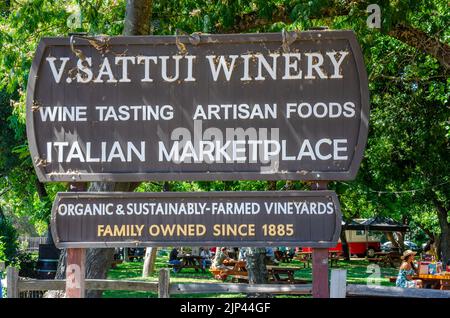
98 261
405 171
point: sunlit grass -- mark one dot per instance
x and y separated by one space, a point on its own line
358 272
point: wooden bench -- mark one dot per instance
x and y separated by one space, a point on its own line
305 259
392 279
238 270
334 258
189 261
223 274
116 262
392 259
279 274
239 278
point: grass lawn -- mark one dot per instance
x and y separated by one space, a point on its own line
358 272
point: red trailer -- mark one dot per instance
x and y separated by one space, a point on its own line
360 234
359 243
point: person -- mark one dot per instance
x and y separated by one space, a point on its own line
195 251
173 260
206 257
213 251
280 253
270 257
242 255
407 269
290 253
431 250
220 258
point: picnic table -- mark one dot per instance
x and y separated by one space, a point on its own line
441 280
283 256
189 261
237 270
334 257
238 273
306 258
392 258
281 274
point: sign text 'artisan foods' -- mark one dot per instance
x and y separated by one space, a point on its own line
233 106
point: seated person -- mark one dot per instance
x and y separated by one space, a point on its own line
206 257
242 254
280 253
290 253
173 260
270 257
407 270
221 257
430 251
213 251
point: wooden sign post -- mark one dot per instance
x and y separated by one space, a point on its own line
75 273
239 107
320 273
75 262
320 260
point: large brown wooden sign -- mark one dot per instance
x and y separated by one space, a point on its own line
292 218
201 107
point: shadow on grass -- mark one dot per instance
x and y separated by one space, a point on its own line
358 272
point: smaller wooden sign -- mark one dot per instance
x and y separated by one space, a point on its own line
290 218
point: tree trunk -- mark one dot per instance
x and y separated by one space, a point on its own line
137 17
444 241
390 237
149 261
345 249
98 261
43 197
444 246
150 253
125 255
256 267
256 259
401 241
271 185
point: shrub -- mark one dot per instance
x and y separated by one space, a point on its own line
2 251
27 264
8 241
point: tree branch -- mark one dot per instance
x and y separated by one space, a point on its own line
411 36
423 42
41 191
442 212
430 234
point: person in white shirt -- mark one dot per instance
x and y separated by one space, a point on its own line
206 257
